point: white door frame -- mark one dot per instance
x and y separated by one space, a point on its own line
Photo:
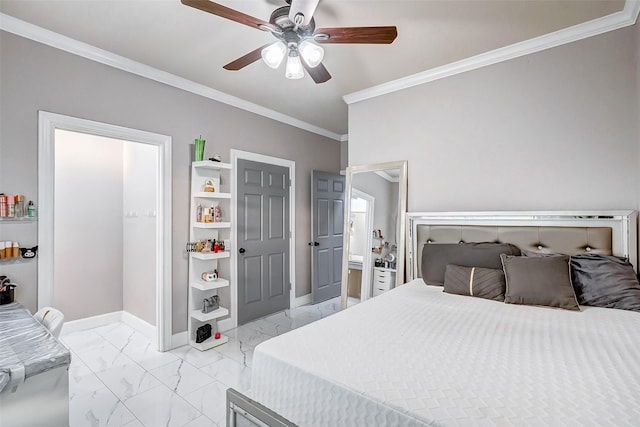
47 125
365 291
291 165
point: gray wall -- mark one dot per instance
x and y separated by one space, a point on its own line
553 130
36 77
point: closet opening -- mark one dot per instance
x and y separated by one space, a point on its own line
103 240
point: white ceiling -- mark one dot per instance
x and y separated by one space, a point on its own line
194 45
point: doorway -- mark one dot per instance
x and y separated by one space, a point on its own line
104 193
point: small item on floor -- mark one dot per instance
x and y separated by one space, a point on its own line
203 333
217 336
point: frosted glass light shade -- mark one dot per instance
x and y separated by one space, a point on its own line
273 54
294 66
311 53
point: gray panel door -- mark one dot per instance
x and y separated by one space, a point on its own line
327 219
263 239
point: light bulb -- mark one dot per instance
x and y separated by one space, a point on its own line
294 66
273 54
311 53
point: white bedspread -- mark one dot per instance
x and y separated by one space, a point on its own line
418 356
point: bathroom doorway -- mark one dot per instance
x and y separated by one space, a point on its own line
103 196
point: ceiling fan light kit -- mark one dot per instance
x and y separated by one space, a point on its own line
273 54
295 29
294 65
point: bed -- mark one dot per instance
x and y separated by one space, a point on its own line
418 356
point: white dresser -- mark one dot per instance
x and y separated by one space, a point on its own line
383 280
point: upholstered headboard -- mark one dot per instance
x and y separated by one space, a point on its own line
606 232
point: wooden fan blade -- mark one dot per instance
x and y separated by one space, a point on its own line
372 35
319 73
245 60
226 12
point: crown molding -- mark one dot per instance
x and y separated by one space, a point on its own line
626 17
50 38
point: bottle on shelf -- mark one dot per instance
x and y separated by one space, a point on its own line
11 206
19 206
15 250
31 210
199 214
3 205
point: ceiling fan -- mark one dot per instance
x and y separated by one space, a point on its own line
297 36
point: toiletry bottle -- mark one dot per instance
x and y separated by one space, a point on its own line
15 253
31 210
199 217
19 206
11 206
3 205
1 250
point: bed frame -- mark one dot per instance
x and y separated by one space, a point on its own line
570 232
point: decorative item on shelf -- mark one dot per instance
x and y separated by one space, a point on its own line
208 186
3 205
199 149
29 252
9 250
209 276
217 335
216 158
199 214
210 304
207 215
6 290
217 214
216 247
31 210
203 333
377 234
221 245
19 206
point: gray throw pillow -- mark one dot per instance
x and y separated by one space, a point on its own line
436 257
544 281
475 281
605 281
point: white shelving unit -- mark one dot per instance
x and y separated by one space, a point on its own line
201 262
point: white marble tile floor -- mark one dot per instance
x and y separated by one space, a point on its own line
116 377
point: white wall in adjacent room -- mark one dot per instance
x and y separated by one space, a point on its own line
139 195
87 225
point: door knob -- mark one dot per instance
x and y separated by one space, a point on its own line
314 244
241 250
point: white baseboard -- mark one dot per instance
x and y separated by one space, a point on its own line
90 322
142 326
303 300
225 324
125 317
179 339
